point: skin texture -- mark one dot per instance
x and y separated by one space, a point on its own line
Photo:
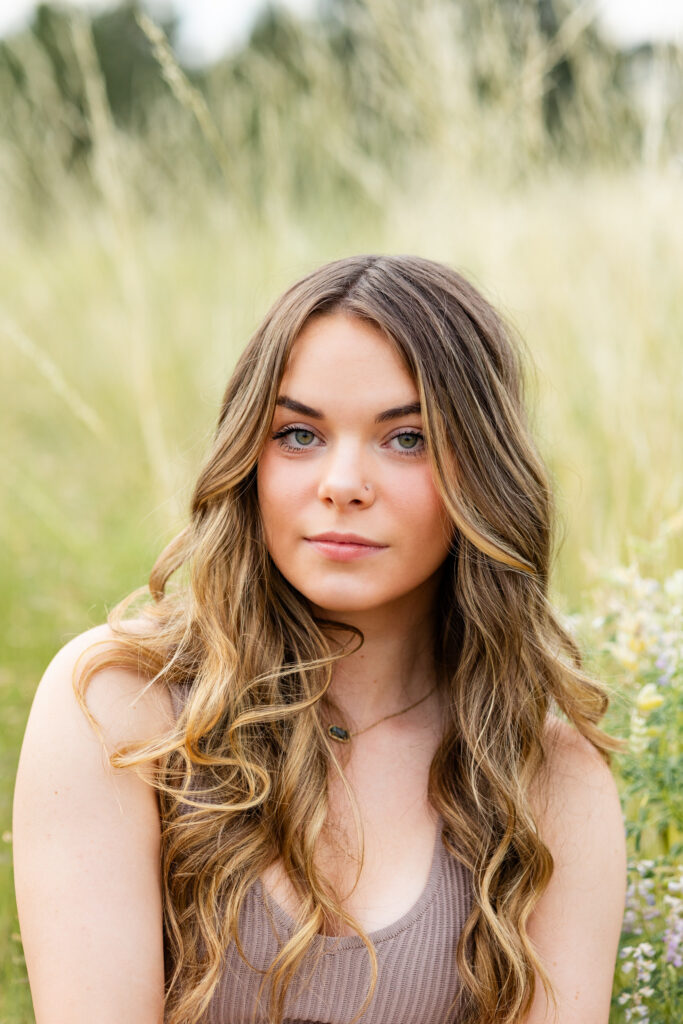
352 474
86 839
349 473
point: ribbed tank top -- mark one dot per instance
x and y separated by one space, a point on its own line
417 975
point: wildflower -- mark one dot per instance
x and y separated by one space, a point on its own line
673 933
648 699
626 656
630 920
638 737
672 954
674 584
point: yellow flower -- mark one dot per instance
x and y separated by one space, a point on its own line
648 699
626 657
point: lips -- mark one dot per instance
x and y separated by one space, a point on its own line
346 538
344 547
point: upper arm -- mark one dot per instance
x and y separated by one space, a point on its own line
576 924
87 852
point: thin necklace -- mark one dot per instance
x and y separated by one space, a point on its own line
336 732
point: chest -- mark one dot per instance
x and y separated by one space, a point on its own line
399 833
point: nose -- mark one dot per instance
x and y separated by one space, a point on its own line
343 481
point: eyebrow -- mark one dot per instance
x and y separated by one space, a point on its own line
413 408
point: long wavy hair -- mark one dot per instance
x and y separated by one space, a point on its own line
242 776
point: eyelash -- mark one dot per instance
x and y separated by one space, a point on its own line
286 431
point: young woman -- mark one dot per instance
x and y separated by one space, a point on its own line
323 777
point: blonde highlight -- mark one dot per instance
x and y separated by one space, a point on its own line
249 757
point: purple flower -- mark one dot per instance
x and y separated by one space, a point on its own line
673 935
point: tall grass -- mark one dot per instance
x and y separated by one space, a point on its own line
123 308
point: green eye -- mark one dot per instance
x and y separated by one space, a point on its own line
301 436
411 440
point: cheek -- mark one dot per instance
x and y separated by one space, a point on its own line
280 491
420 506
425 528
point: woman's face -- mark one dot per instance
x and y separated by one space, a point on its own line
345 455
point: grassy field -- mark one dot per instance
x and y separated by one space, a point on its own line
118 330
115 357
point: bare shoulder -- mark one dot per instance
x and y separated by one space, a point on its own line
576 923
563 740
86 843
575 773
125 705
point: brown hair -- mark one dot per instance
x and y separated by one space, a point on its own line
249 756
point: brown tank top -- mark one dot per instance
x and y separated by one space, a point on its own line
417 976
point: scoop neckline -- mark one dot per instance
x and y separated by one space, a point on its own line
389 931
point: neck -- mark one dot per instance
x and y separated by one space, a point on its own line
395 665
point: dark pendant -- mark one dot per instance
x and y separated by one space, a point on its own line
339 734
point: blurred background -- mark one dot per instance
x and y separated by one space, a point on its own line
167 169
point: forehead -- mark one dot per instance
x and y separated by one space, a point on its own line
339 354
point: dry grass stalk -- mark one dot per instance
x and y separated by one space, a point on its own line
51 373
128 266
185 93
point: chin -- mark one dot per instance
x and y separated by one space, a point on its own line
347 604
341 606
343 611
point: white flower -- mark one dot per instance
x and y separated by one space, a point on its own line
673 586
